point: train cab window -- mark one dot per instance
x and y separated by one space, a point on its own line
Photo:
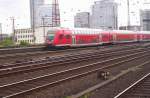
68 36
61 36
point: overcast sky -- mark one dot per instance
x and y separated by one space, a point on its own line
20 10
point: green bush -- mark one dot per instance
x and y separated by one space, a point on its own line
24 43
8 42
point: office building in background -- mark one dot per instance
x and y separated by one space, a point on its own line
145 20
104 15
44 16
34 6
82 20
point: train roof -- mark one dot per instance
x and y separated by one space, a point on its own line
85 31
124 31
96 31
145 32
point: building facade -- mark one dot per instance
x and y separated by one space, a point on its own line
41 33
82 20
25 35
44 14
34 6
133 28
145 20
104 15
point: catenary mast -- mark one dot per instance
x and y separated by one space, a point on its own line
55 14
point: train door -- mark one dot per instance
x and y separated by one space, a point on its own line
114 37
141 37
67 39
110 37
100 38
138 37
64 38
73 39
105 37
60 38
135 37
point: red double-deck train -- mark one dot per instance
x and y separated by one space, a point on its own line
65 37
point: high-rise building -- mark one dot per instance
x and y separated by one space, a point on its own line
145 20
82 20
34 6
104 15
44 14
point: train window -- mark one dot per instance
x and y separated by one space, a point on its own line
67 36
104 36
61 36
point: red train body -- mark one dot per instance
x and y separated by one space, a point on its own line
62 37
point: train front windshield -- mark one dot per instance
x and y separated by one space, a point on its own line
50 35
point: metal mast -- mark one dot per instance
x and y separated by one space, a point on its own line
1 36
55 14
13 28
32 12
128 5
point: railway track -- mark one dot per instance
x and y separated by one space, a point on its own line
30 56
27 56
105 92
62 60
59 58
140 89
22 87
4 51
110 87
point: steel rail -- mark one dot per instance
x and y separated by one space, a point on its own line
17 50
132 86
89 69
59 62
58 52
42 52
100 85
57 57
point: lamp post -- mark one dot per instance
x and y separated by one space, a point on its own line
13 28
43 25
